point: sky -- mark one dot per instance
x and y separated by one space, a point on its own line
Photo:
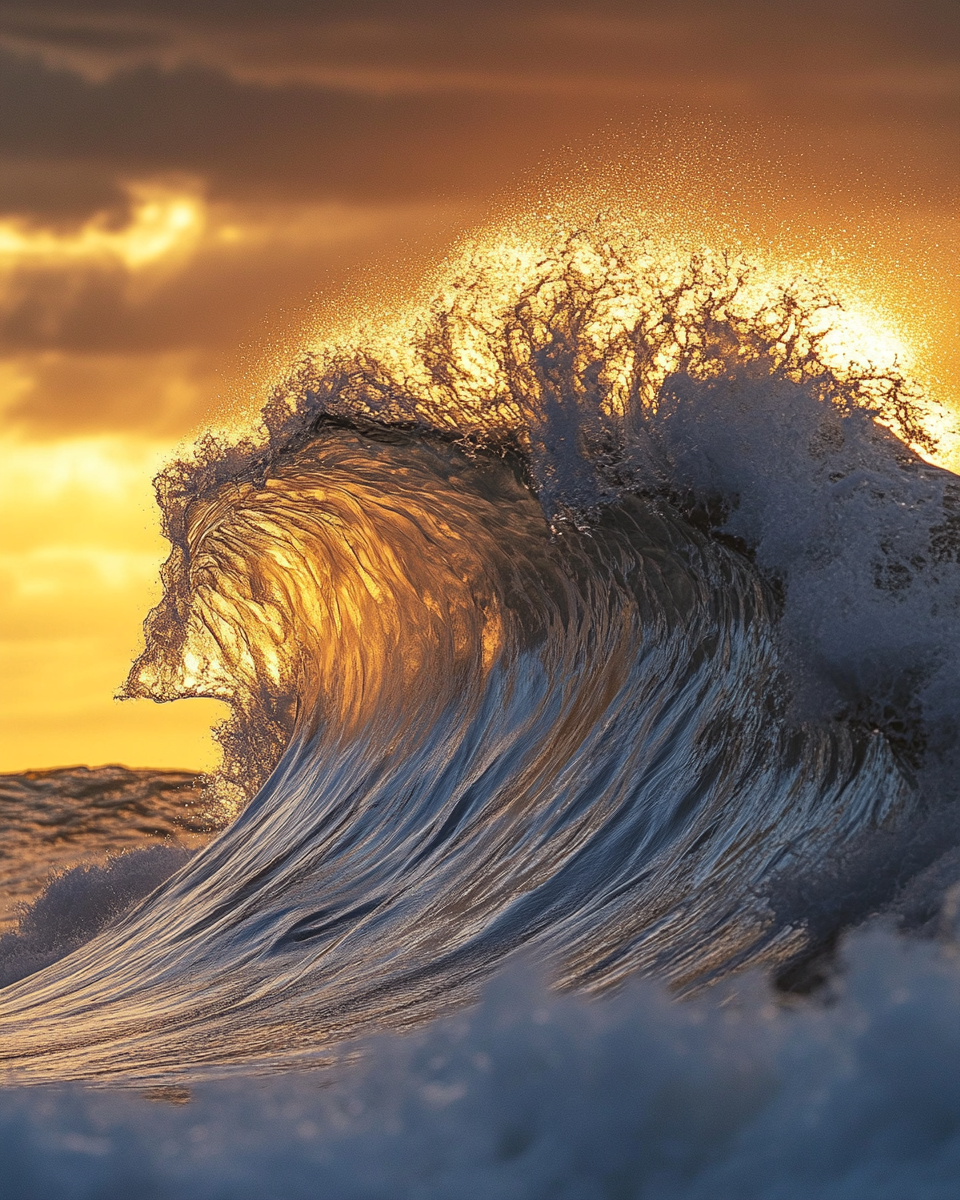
190 190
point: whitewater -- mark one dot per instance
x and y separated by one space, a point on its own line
588 818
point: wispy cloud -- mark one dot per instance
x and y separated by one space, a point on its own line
716 53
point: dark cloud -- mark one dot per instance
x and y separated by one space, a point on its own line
765 112
401 101
287 141
224 292
54 191
103 348
599 40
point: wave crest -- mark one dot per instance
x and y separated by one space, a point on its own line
571 615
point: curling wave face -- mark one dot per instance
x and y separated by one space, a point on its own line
603 610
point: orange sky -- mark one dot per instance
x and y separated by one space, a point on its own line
188 189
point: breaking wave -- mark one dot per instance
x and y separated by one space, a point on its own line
604 608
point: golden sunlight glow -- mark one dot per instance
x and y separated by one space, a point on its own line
163 223
78 571
482 283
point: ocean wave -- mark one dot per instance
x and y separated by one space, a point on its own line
606 611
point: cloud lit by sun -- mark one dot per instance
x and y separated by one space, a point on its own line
162 224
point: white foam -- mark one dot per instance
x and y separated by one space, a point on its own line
80 902
864 536
533 1095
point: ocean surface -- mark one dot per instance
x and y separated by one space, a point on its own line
588 822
